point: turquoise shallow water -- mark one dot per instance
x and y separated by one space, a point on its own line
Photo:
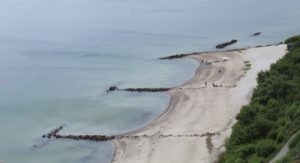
58 57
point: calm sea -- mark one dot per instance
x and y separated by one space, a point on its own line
57 58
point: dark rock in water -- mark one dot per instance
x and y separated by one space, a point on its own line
223 45
53 133
147 89
112 88
256 34
196 53
86 137
175 56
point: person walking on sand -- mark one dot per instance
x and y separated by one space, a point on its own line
205 84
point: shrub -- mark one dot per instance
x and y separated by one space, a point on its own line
265 147
292 39
256 159
295 141
272 116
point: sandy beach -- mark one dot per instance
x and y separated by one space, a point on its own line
200 116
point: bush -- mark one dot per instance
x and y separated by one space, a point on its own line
265 147
294 151
256 159
296 45
281 135
272 116
292 39
295 141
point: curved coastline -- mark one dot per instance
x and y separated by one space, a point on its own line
160 116
119 147
173 97
164 113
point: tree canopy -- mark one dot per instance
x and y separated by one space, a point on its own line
272 116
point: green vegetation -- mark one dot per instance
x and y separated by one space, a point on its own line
247 65
294 151
272 116
296 45
292 39
295 141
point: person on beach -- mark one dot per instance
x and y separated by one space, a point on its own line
205 84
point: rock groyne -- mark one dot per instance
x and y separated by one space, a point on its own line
53 133
115 88
224 45
256 34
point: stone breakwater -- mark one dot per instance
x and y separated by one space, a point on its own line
86 137
101 138
180 55
115 88
256 34
53 133
224 45
140 90
177 56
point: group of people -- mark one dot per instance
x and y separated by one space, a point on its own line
204 61
216 85
213 84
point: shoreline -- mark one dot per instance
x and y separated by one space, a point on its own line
125 148
183 55
169 108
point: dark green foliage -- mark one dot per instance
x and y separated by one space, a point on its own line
295 141
294 150
292 39
297 45
265 147
256 159
272 116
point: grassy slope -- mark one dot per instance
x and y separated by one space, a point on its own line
272 116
